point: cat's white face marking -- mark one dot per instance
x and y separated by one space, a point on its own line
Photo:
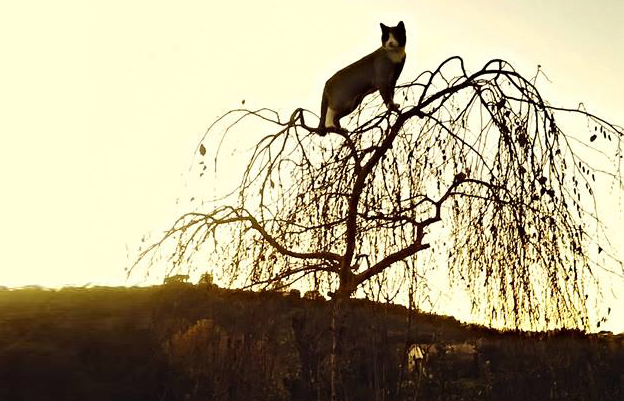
396 53
391 43
329 118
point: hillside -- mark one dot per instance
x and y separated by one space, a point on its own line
186 342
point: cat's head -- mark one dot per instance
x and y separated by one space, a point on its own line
393 37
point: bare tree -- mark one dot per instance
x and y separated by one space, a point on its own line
476 168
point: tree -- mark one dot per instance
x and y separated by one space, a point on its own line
478 165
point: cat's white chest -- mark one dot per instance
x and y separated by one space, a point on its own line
396 56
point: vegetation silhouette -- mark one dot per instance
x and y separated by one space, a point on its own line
476 167
199 342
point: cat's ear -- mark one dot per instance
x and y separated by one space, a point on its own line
401 25
383 27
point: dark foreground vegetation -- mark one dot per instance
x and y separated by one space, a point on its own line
186 342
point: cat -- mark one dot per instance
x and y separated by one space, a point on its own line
346 89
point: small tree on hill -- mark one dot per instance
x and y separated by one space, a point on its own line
476 169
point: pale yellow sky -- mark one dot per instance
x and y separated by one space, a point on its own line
103 103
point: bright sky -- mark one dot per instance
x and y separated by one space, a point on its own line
102 103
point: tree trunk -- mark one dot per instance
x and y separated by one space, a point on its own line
335 329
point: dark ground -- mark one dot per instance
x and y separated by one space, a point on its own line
186 342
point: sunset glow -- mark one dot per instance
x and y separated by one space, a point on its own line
104 105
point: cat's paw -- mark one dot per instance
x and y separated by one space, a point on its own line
393 107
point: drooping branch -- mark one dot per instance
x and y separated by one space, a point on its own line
480 153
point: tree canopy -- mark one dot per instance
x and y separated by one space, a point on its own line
477 169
